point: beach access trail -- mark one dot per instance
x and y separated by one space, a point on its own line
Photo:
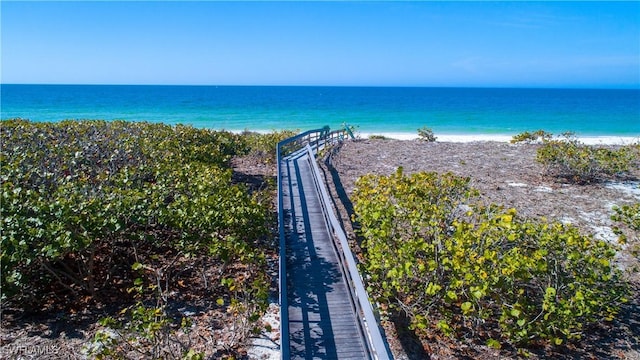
325 311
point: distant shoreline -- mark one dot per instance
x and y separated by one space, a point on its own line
466 138
452 138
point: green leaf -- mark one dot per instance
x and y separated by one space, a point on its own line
478 294
515 313
494 344
550 292
432 288
465 307
444 326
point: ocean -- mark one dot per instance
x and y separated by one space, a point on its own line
372 110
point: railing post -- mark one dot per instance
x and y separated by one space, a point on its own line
348 131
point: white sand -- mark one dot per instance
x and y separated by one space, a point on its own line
266 345
629 187
464 138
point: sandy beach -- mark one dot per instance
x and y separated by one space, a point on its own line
466 138
505 174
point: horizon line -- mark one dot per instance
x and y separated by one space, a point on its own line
541 87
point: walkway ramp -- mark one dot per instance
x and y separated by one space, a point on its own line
321 311
322 321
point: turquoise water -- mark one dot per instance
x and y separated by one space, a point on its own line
601 112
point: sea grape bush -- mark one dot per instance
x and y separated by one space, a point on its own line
263 146
451 264
574 161
530 137
627 218
426 134
80 198
89 204
148 333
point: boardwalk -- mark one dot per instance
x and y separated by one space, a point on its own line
322 321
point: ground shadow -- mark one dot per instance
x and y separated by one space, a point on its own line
342 197
253 182
314 280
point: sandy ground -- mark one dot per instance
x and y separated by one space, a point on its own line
504 174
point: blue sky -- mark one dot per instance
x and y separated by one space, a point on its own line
540 44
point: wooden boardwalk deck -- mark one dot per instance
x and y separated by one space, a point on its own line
322 321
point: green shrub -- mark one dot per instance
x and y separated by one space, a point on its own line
426 134
263 146
528 137
569 159
378 137
147 333
151 331
74 193
628 226
454 265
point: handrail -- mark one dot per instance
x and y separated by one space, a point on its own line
318 138
286 147
376 344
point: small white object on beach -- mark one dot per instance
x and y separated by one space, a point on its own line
517 184
544 189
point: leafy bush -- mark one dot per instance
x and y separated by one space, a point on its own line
528 138
568 158
148 333
628 229
457 266
426 134
81 199
377 137
117 209
263 146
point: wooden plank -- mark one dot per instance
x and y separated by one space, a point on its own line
322 322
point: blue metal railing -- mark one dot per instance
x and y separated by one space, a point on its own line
312 141
376 345
287 147
316 138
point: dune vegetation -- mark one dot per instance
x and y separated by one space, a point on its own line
142 218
